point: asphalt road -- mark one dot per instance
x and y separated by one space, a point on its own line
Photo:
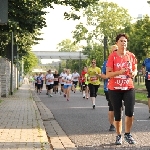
88 128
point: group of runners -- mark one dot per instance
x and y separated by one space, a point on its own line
118 72
68 82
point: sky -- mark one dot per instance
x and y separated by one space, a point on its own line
59 29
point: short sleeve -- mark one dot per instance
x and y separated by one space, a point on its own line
99 70
110 61
134 60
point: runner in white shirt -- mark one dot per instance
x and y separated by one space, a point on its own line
67 84
75 76
49 83
62 75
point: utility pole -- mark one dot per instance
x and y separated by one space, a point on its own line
105 47
12 61
80 64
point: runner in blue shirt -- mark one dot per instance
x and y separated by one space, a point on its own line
111 111
146 73
39 82
103 76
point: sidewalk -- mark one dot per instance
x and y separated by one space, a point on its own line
21 126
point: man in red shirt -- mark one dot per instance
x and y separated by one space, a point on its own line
84 71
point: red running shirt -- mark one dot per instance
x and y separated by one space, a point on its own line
116 62
83 76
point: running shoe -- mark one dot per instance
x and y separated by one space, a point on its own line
128 138
118 140
112 128
93 106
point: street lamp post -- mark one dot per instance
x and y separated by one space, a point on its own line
12 57
105 47
80 63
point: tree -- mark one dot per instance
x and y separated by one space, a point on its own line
30 61
94 52
103 19
69 46
139 38
26 19
107 18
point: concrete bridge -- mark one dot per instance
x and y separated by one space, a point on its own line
78 55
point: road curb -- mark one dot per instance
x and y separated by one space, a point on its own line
44 140
56 136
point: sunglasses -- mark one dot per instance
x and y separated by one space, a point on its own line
93 62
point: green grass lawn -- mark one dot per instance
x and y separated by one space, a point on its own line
139 86
141 96
138 96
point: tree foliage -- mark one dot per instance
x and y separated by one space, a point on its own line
68 46
139 38
102 19
106 19
26 19
30 61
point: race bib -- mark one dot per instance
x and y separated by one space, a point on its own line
148 75
93 78
83 78
121 82
55 79
68 81
39 81
49 80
